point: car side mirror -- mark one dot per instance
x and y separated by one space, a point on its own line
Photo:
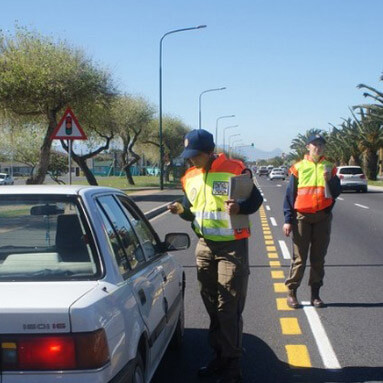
176 241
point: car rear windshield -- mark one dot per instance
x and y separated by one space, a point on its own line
45 238
352 171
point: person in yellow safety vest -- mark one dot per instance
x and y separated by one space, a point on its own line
222 252
309 200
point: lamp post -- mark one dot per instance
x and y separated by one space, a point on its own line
160 101
224 130
230 144
199 104
216 127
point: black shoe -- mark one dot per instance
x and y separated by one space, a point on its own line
232 372
214 368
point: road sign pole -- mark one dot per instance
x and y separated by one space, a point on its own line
70 161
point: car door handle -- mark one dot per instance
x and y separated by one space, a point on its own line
142 296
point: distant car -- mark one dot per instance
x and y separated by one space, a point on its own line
277 174
6 179
352 178
88 291
262 171
270 168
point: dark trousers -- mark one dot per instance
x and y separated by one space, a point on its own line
223 272
311 232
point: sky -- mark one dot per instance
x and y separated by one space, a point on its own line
287 65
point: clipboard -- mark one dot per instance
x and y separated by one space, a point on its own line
240 188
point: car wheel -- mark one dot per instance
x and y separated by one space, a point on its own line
138 373
364 190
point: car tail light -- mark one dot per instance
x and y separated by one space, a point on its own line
341 176
55 352
362 176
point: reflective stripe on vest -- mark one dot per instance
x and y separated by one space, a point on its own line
311 185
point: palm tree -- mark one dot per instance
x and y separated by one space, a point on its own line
370 139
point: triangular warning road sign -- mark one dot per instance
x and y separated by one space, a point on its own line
68 128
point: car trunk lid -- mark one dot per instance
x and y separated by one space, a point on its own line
39 307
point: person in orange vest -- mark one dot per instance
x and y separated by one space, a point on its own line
222 253
309 200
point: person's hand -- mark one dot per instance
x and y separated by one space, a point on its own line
176 208
287 227
231 207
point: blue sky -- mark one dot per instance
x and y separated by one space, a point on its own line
288 65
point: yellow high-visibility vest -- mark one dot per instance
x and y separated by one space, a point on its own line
207 192
311 184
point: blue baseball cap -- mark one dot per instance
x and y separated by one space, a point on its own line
315 137
197 141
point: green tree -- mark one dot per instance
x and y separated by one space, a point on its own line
40 77
370 140
174 131
132 116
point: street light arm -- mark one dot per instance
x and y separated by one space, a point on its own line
199 102
182 30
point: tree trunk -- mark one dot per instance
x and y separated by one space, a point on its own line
128 173
371 164
81 162
42 167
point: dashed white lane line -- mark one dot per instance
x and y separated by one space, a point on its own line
284 249
273 221
267 207
326 351
279 185
340 199
264 200
362 206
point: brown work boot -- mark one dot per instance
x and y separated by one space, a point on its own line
292 300
315 299
232 372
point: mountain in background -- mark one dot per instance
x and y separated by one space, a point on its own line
254 154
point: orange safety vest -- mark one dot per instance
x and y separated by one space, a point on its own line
207 192
311 184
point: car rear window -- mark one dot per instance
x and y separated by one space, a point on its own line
44 238
352 171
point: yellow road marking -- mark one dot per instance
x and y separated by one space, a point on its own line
290 326
282 305
277 274
280 288
298 355
268 236
272 255
271 248
266 232
269 242
275 264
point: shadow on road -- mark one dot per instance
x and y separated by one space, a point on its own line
259 364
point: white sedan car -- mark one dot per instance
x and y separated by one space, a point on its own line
89 294
277 174
6 179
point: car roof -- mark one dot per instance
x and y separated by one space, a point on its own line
349 167
55 189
